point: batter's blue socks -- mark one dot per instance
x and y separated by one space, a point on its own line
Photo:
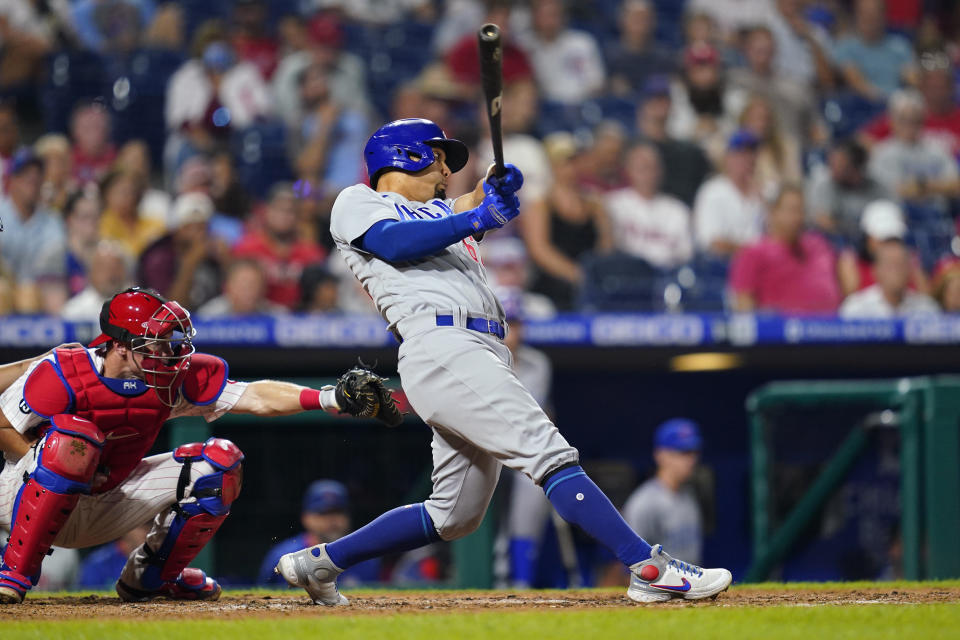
579 501
401 529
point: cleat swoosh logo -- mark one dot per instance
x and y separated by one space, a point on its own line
676 587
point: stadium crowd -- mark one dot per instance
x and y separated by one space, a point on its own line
796 156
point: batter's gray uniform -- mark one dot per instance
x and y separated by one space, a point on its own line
459 381
672 517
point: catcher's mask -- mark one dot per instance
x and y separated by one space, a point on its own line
155 328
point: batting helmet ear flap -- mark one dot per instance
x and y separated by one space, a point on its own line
407 145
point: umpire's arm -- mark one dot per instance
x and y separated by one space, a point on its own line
268 398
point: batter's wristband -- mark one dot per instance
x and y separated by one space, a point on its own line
310 400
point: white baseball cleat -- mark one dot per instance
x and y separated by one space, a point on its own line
312 569
662 578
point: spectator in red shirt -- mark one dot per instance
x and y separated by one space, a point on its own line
279 249
93 152
788 270
942 120
250 39
464 62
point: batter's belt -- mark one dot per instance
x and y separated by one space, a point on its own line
420 322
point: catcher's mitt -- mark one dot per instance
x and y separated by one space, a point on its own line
361 393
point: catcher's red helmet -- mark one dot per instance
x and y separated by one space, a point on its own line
158 329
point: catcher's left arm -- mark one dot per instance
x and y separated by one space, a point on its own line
359 392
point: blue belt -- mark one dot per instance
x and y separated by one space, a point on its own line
475 324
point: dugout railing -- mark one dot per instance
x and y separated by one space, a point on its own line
925 411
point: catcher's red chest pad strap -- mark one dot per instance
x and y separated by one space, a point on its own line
205 379
46 392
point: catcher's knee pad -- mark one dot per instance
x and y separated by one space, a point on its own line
199 515
66 462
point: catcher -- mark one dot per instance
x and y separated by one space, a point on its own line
76 423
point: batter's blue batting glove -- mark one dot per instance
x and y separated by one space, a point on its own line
494 212
509 182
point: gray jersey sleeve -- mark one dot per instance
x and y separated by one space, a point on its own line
356 209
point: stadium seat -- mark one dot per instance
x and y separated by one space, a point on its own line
261 155
846 112
72 76
931 232
618 282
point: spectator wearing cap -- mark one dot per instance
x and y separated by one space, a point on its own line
665 507
838 192
184 264
563 227
728 211
278 247
508 265
122 191
244 293
942 119
685 166
920 171
788 270
645 222
197 175
882 221
108 274
778 153
325 517
636 56
946 285
890 296
31 232
322 44
873 63
567 63
93 151
210 95
700 100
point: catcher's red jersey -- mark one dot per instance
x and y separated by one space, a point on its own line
126 411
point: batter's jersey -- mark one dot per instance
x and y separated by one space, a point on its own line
671 518
451 279
18 413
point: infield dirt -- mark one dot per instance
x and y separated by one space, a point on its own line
258 605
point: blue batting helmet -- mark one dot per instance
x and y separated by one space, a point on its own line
407 145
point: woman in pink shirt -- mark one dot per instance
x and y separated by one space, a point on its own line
788 270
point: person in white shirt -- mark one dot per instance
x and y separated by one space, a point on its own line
110 272
646 223
728 211
890 296
567 63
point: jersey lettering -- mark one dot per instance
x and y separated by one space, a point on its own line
430 214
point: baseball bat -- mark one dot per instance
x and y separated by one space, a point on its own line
491 79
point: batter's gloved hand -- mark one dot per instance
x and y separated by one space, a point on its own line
361 393
509 183
495 211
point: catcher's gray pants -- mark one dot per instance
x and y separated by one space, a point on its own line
461 383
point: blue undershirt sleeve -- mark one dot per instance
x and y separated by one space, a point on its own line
403 240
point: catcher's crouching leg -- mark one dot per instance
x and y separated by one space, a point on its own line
67 460
157 567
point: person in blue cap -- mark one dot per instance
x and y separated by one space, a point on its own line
325 517
664 507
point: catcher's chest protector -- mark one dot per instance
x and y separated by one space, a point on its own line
130 423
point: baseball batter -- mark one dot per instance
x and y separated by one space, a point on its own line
413 250
75 425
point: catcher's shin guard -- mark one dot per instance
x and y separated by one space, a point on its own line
198 517
66 462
